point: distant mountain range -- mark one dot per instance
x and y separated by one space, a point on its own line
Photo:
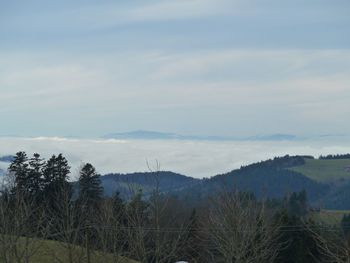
6 158
154 135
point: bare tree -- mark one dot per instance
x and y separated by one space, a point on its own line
136 228
110 231
241 231
331 246
20 235
66 228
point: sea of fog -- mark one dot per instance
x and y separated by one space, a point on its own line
193 158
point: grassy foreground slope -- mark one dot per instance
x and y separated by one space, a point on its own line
44 251
324 170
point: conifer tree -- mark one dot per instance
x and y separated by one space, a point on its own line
55 172
35 176
90 195
19 171
193 241
90 189
56 187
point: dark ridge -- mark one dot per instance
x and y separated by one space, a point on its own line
335 157
147 181
6 158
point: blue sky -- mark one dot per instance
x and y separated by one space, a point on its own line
207 67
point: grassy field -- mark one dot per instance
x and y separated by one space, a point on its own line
331 217
324 170
52 251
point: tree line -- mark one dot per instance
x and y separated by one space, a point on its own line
38 202
335 156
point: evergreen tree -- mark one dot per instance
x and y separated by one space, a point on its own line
90 195
56 188
35 176
297 204
56 170
192 244
345 224
19 171
138 210
119 208
299 244
90 189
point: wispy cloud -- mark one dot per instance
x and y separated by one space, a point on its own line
98 15
189 66
157 82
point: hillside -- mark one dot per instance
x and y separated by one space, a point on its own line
128 184
44 251
325 170
270 179
326 181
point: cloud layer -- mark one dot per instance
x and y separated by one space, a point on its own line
193 158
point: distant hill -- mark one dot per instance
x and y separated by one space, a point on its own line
140 134
274 137
270 179
127 184
326 181
154 135
6 158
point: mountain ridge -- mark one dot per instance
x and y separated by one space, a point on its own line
272 178
155 135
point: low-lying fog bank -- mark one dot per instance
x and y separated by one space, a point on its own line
193 158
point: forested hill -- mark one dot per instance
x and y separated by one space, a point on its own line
270 179
326 181
128 184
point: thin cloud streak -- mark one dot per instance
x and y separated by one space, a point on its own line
158 82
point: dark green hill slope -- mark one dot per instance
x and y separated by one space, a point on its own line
127 184
325 180
271 179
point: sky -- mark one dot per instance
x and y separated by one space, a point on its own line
194 67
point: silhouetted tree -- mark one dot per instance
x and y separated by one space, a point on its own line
90 189
90 195
55 172
35 184
297 204
19 171
56 190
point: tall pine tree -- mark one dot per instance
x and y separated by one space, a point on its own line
90 195
19 173
90 189
55 181
35 178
